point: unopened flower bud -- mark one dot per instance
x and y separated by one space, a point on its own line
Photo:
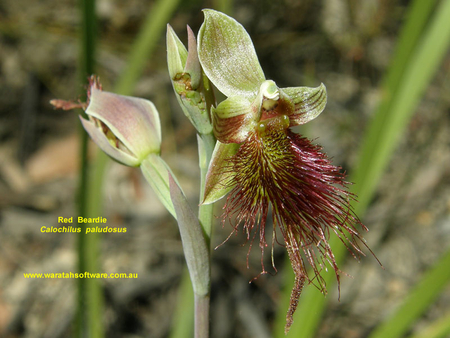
188 81
126 128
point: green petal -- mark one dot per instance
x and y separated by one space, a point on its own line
309 103
228 57
234 118
219 179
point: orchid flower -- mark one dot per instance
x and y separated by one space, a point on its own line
261 163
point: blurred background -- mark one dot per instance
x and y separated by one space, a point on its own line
346 44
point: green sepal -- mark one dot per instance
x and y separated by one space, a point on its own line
219 179
228 57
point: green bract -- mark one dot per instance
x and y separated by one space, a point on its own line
188 81
157 173
228 58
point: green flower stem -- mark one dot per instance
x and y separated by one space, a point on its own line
201 315
201 302
206 144
193 235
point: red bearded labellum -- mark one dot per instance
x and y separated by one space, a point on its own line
277 168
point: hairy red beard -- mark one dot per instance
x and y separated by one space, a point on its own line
276 167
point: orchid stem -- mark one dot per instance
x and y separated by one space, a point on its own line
206 144
201 316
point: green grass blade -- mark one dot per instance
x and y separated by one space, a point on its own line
371 160
183 318
145 43
438 329
89 299
423 294
224 6
423 66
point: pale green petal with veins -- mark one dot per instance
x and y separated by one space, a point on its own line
309 103
228 57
